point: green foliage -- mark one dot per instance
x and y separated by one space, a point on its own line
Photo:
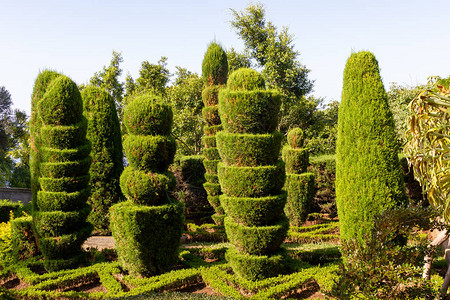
6 256
296 159
245 79
368 175
320 233
300 190
252 181
147 227
215 65
382 267
153 78
211 115
103 132
60 224
249 149
52 155
254 211
23 241
6 207
147 237
295 138
238 60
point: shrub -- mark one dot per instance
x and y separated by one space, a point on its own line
61 226
215 72
299 185
147 227
368 175
6 207
23 242
251 177
103 132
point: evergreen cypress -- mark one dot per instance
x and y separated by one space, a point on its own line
299 183
214 71
368 175
148 226
60 210
107 157
251 176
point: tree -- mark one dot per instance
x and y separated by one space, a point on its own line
185 96
273 51
109 79
368 174
237 60
153 78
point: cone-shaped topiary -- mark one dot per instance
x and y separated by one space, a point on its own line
107 157
148 226
215 71
60 209
368 175
299 184
251 176
40 86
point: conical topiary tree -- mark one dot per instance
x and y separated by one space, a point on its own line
107 156
60 209
368 175
214 72
40 86
148 226
251 176
299 183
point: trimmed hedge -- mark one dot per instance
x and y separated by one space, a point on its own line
254 211
249 111
211 115
148 152
368 174
211 153
22 237
249 149
256 240
212 130
251 181
147 237
60 210
246 79
148 226
215 65
210 95
103 132
148 116
297 160
6 206
301 190
209 141
211 166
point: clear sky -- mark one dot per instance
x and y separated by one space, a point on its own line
411 39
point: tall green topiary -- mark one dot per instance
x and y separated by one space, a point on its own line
215 71
299 183
148 226
368 175
40 86
60 209
107 157
251 176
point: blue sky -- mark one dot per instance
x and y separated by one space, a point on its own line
410 39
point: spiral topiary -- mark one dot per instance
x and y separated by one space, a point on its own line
148 226
60 210
251 176
107 157
215 71
299 183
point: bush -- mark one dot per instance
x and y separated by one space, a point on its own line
23 242
103 132
368 174
147 227
215 65
246 79
324 169
6 207
60 209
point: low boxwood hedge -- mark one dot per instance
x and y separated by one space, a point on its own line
251 181
249 149
6 206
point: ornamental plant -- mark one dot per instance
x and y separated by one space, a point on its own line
299 183
251 176
214 71
148 226
368 174
107 156
61 210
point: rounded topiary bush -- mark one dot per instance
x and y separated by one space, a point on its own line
148 226
251 177
103 132
60 209
215 72
299 184
368 174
